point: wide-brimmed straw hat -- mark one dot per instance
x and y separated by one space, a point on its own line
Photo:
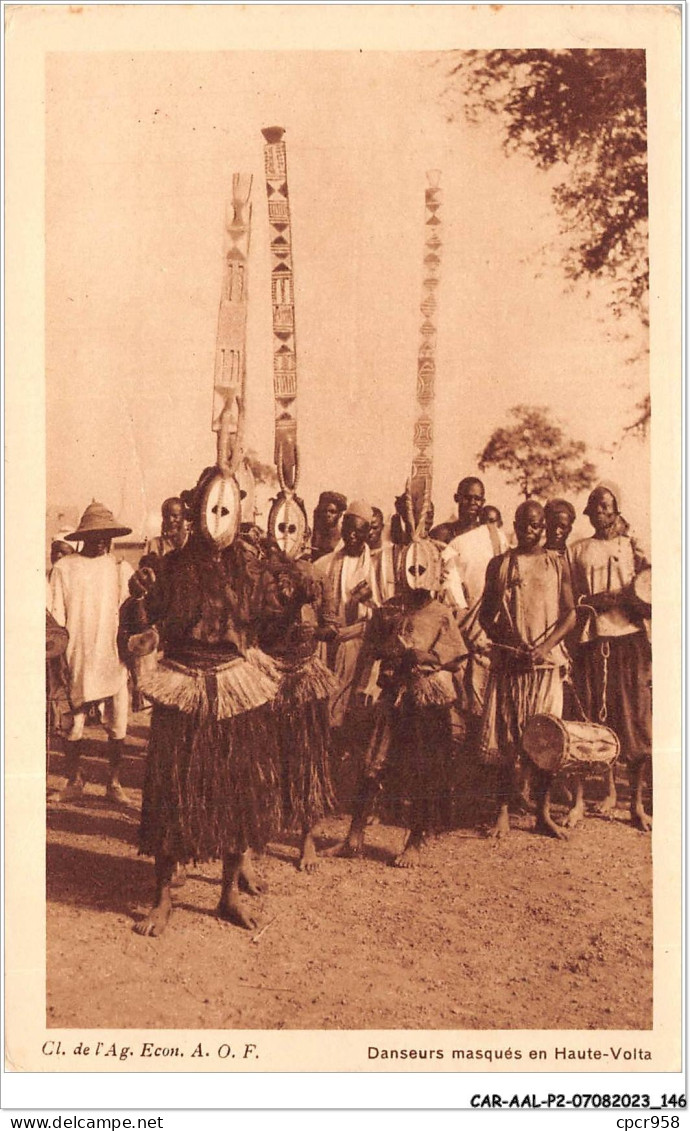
97 519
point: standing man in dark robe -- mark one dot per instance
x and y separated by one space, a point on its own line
613 660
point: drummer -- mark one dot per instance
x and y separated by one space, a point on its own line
613 662
526 611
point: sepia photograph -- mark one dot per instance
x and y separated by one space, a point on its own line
348 544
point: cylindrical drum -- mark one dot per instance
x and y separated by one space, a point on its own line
555 744
642 592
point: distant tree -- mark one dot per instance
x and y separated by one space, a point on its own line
262 472
582 111
639 427
585 110
537 457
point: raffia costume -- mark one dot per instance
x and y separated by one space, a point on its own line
286 631
410 752
212 783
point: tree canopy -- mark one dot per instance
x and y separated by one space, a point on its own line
536 455
583 109
262 472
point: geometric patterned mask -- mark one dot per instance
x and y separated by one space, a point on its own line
422 566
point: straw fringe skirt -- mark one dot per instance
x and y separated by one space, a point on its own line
302 712
411 754
213 780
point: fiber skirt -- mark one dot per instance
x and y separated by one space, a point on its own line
616 672
301 710
212 786
411 754
213 774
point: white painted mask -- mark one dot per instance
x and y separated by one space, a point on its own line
422 566
287 524
220 510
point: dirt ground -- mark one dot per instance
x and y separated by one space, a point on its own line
527 933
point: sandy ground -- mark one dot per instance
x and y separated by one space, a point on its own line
527 933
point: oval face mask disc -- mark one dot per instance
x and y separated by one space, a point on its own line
220 510
245 482
423 566
287 523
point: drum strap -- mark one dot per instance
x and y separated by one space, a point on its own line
578 702
605 653
603 712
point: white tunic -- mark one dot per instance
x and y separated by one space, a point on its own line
601 565
466 559
86 594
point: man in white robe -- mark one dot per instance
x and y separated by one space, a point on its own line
87 590
465 560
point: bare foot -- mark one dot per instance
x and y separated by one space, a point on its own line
607 807
179 876
308 861
230 910
575 816
564 794
640 820
502 826
72 791
524 802
116 794
577 807
548 827
352 846
156 921
410 857
248 879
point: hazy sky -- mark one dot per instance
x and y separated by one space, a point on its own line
140 154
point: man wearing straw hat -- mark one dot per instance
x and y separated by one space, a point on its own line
87 590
